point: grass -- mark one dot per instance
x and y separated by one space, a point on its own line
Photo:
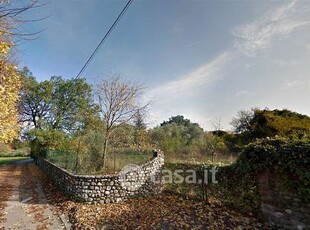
198 159
22 152
11 160
86 165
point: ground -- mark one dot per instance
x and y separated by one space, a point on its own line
23 203
29 201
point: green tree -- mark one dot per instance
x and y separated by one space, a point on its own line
57 103
177 134
141 136
271 123
12 16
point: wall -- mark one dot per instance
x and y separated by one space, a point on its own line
281 208
131 181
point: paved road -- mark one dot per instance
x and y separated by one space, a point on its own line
23 203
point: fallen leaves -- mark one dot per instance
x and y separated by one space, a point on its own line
162 211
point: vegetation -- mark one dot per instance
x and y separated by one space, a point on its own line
270 123
11 160
10 18
55 104
284 157
9 88
116 161
118 104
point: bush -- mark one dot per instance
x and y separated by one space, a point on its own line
43 140
290 158
4 149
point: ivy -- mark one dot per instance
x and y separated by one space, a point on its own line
289 158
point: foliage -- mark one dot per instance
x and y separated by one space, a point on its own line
11 16
22 152
19 144
270 123
119 104
286 157
11 160
89 165
5 148
237 182
58 104
241 122
9 87
179 120
181 136
43 140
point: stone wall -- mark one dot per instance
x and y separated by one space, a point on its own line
133 180
282 209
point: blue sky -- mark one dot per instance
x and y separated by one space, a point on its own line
203 59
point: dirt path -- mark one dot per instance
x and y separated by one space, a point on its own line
23 203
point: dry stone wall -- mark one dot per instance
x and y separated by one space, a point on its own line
133 180
282 209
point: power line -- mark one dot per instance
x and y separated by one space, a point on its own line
104 38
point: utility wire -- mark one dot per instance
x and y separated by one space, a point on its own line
104 38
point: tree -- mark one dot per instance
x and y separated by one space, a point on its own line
9 87
35 100
177 134
178 120
241 122
270 123
10 17
58 104
119 104
71 99
141 137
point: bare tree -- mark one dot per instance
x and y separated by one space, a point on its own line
119 103
13 14
241 122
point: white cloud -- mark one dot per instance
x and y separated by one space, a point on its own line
171 98
275 24
185 84
244 93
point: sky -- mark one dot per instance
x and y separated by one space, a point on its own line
202 59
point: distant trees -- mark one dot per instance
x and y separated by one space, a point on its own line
177 135
269 123
118 102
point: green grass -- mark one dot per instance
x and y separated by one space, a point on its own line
199 159
22 152
11 160
86 165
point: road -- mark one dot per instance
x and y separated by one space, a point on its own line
23 202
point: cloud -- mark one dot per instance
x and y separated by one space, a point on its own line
185 84
275 24
175 97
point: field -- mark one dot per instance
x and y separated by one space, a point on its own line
85 165
10 160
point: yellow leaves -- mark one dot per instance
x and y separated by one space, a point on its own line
4 48
9 87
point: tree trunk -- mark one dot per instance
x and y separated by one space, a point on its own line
77 156
105 149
